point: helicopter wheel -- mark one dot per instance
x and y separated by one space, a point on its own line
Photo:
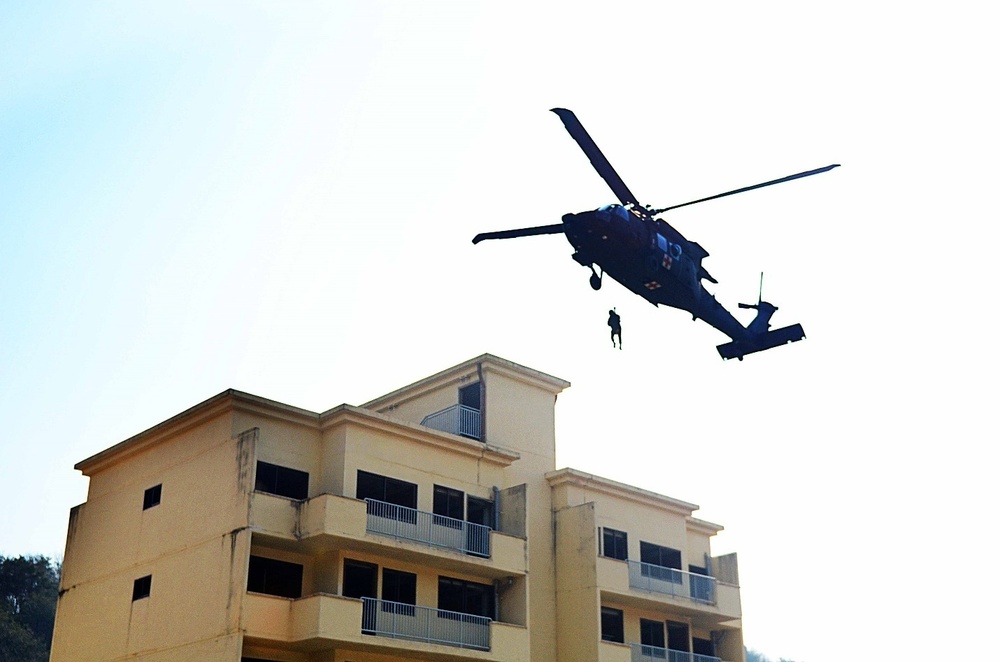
595 281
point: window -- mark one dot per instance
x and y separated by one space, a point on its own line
651 634
615 544
282 481
663 562
465 597
399 587
448 502
702 646
701 584
383 488
612 625
274 577
360 579
152 497
677 637
479 511
658 555
469 396
141 587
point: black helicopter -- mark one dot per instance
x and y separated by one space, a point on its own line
651 258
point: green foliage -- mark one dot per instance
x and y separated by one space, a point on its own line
29 589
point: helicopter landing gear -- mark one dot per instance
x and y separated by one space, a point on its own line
595 280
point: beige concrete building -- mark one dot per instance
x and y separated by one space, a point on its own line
428 524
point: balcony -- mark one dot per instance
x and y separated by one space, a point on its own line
672 582
435 530
457 419
644 653
326 622
709 603
434 626
328 521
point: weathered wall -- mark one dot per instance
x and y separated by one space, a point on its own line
193 544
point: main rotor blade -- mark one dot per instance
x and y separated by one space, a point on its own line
750 188
597 158
522 232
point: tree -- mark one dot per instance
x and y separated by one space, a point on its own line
29 589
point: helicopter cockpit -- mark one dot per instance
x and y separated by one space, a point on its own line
607 212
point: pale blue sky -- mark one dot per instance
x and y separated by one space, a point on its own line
281 200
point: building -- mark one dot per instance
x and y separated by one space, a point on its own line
430 523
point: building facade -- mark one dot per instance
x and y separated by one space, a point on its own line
430 523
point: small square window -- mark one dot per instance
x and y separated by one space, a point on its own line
141 586
151 497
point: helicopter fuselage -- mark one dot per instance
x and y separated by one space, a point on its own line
650 258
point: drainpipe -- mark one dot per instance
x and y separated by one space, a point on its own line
496 508
482 402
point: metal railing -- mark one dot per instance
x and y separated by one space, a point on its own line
457 419
420 526
437 626
670 581
644 653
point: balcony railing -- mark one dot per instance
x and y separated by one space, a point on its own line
436 626
669 581
644 653
435 530
457 419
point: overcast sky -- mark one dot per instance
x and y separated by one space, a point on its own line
281 200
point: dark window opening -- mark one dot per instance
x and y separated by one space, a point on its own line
141 587
399 587
651 634
663 563
360 579
615 544
465 597
612 625
388 490
151 497
664 557
274 577
469 396
383 488
282 481
448 502
702 646
677 637
701 586
479 511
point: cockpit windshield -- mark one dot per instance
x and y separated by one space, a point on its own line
613 210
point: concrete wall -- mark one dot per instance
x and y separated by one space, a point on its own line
193 544
577 600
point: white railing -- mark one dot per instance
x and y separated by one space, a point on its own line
457 419
436 626
644 653
670 581
435 530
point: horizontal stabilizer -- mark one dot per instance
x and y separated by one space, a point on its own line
758 343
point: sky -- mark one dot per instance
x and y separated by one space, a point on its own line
280 198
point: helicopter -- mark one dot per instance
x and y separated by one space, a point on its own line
652 259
